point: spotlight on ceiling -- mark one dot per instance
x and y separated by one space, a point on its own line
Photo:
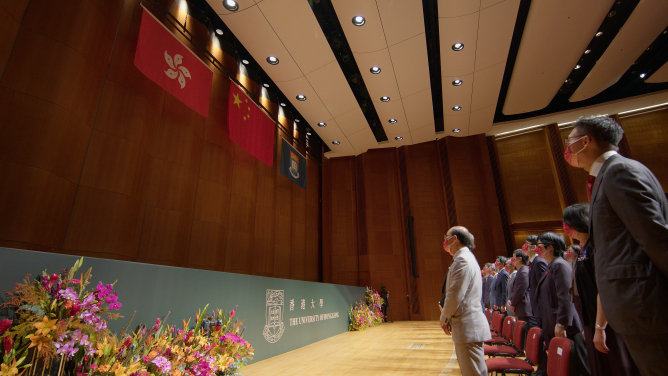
398 138
642 75
219 32
231 5
301 97
599 33
384 99
456 130
273 60
457 108
245 62
457 46
392 121
587 52
577 66
265 85
308 133
322 125
457 82
335 142
374 70
283 104
358 21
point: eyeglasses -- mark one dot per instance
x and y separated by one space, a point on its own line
541 245
567 140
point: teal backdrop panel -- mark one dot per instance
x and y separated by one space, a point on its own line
280 314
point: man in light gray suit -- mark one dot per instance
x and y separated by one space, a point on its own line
461 316
629 232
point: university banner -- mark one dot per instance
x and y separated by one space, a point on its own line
249 127
293 164
171 65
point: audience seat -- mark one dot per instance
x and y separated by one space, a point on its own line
513 349
506 332
559 357
515 365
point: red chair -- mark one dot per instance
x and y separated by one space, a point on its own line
559 357
506 333
516 365
513 349
497 323
488 314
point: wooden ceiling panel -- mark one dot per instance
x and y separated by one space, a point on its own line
419 111
644 25
460 121
495 33
423 134
333 89
400 22
464 30
555 36
312 109
457 95
351 122
411 65
661 75
363 140
383 83
457 8
368 37
486 86
482 120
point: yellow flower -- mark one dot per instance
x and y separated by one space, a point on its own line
9 370
100 347
45 326
40 342
118 369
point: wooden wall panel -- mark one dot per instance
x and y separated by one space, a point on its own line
344 258
312 247
647 135
263 246
531 189
11 14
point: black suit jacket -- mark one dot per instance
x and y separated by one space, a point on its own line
486 286
501 288
555 300
520 297
537 269
629 229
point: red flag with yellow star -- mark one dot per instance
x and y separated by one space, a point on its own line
249 127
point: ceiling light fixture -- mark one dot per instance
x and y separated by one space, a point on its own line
265 85
374 70
384 99
245 62
322 125
358 21
577 66
296 120
231 5
301 97
335 142
587 52
398 138
642 75
219 32
457 46
599 33
456 130
457 82
392 121
308 133
273 60
457 108
283 104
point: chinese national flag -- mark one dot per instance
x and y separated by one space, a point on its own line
170 64
249 127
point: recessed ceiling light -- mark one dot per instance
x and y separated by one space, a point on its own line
219 32
231 5
375 70
458 46
456 130
392 121
457 108
265 85
599 33
321 124
308 133
245 61
457 82
642 75
301 97
358 21
273 60
398 138
587 52
283 104
335 142
577 66
297 120
384 99
568 81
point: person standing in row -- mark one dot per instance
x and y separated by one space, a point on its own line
537 266
486 285
500 285
510 268
629 231
518 301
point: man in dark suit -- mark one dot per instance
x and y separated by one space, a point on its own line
519 301
537 267
500 287
629 232
486 285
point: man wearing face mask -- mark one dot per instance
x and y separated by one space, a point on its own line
486 285
461 316
537 268
500 285
629 232
510 268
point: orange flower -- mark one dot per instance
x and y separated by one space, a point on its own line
152 354
104 368
45 326
40 342
176 372
9 370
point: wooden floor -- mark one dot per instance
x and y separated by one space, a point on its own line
383 350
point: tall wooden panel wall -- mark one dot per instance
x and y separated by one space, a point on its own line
97 160
647 135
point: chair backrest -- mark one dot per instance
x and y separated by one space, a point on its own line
533 346
518 335
488 314
497 322
559 358
508 323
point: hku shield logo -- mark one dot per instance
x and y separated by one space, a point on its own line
294 165
274 327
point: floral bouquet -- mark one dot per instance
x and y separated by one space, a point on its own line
367 313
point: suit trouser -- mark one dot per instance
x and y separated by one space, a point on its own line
650 353
471 358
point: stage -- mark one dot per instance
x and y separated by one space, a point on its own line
399 348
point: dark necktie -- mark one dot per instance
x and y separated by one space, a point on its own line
590 183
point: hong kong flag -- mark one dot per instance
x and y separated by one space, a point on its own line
249 127
170 64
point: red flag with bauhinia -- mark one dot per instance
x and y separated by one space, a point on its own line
249 127
170 64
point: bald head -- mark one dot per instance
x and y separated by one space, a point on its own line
463 236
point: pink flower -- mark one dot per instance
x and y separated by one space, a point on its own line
232 313
7 343
93 366
75 281
4 325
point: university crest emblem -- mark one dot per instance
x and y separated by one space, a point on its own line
274 327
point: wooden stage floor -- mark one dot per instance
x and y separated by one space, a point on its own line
383 350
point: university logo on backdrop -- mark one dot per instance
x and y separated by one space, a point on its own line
170 64
274 326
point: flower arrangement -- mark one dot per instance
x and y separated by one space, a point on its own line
61 329
367 313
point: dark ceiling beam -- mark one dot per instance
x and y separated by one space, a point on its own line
430 11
